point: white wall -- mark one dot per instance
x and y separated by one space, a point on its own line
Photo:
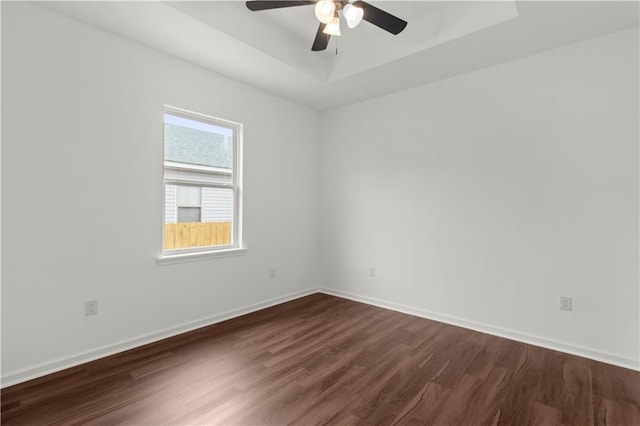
480 199
82 193
484 198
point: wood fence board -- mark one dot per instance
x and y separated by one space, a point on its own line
196 234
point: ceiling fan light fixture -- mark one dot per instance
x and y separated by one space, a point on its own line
352 14
325 11
328 13
333 27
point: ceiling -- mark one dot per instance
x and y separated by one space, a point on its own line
271 49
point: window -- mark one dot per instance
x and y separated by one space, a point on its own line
202 192
189 204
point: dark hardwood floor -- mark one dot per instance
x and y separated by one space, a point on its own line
326 360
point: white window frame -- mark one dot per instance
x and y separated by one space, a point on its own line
200 176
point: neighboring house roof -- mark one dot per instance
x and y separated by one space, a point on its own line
192 146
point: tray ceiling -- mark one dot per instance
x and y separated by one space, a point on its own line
271 49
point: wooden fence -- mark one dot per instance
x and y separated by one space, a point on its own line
196 234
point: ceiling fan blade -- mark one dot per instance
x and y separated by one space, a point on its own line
256 5
322 40
380 18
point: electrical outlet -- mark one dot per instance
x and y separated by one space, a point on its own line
565 303
91 307
272 272
372 271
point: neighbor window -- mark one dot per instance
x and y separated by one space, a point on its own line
201 183
189 203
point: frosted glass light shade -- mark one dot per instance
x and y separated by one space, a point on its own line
325 9
352 14
333 27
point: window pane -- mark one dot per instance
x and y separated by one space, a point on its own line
198 143
188 214
210 224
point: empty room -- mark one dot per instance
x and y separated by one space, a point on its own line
320 212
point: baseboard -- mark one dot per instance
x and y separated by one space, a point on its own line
584 352
15 377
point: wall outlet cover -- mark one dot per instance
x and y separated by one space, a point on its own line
91 307
566 303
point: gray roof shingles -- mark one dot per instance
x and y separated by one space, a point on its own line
191 146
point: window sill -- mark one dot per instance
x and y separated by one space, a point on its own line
167 259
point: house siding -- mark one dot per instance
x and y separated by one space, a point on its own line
217 205
170 204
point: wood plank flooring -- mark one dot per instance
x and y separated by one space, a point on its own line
326 360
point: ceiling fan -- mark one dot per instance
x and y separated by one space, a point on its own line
327 13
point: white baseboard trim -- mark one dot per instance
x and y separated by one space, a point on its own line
597 355
19 376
